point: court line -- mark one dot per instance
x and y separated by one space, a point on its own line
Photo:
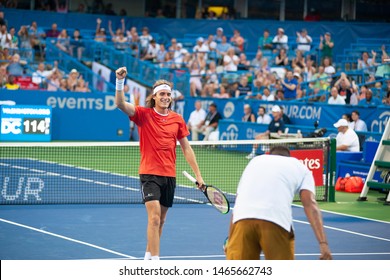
347 231
67 238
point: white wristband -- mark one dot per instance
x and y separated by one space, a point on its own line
120 84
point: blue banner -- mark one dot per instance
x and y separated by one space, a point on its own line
77 116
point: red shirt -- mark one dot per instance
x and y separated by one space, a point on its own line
158 136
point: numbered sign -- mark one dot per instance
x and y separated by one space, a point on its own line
25 123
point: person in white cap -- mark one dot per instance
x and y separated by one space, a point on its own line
159 129
346 139
275 126
280 40
219 35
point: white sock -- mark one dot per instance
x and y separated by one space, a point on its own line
148 256
253 150
155 258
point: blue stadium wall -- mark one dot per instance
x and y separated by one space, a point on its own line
343 33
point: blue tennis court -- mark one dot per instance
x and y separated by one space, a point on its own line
117 231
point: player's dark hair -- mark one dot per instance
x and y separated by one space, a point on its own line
280 151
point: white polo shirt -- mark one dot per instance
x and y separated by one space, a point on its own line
267 188
350 139
196 117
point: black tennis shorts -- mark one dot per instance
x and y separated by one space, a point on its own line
161 188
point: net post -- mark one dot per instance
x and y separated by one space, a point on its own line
332 160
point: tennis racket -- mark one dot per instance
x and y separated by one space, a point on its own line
214 195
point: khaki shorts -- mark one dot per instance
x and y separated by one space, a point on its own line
250 237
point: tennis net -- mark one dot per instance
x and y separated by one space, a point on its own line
107 172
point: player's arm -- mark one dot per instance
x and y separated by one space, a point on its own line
191 159
120 101
314 216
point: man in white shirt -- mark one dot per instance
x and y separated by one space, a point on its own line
196 117
40 76
262 117
336 98
346 139
358 124
280 40
304 41
262 216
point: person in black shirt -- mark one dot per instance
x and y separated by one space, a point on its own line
210 123
276 126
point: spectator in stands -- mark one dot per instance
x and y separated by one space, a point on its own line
5 57
230 61
243 89
223 47
151 52
61 7
210 39
244 63
320 80
179 56
5 37
265 68
281 59
346 139
313 15
279 95
144 40
63 41
118 38
267 96
349 120
367 64
237 41
354 100
326 46
285 118
358 124
72 79
310 69
100 34
328 68
3 76
63 85
262 117
14 42
40 76
384 67
257 61
335 98
76 44
212 82
304 41
222 92
11 84
280 41
196 72
53 32
265 42
289 86
248 114
82 86
24 38
210 123
16 66
386 99
275 126
344 87
200 47
298 61
162 56
218 36
3 21
369 100
37 35
54 80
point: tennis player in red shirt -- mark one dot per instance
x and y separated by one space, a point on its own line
159 130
